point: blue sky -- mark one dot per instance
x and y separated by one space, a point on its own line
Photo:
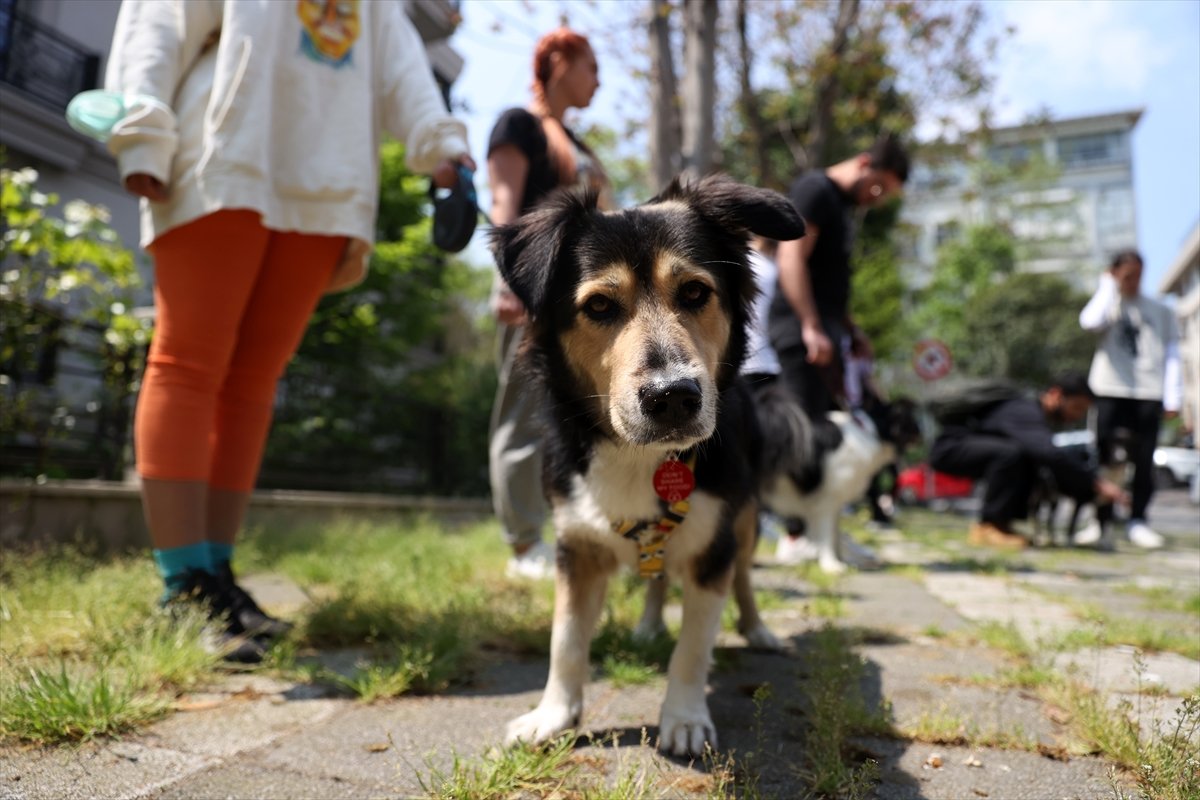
1073 57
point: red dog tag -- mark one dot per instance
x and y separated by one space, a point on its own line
673 481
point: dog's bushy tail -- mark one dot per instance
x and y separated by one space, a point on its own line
792 443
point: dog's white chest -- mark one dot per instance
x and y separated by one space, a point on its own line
619 486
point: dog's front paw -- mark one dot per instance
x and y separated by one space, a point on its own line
540 725
687 732
761 638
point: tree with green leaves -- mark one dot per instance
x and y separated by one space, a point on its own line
66 295
997 321
1025 327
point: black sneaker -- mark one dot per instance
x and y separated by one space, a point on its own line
245 610
233 640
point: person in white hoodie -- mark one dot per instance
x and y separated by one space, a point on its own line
1135 376
252 134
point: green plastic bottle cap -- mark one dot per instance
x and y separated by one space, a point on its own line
94 113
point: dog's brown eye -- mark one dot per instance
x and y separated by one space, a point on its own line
600 308
693 295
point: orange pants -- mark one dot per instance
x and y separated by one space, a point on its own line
233 300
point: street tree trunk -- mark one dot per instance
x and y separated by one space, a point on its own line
828 86
756 136
699 85
665 148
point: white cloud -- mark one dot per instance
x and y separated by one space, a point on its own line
1072 52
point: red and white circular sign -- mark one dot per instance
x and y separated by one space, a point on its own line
931 359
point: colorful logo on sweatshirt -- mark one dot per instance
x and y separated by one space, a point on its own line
330 29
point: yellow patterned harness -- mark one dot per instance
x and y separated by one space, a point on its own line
651 535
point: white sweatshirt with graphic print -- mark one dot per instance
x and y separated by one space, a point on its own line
276 106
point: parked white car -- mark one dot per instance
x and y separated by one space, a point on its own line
1177 466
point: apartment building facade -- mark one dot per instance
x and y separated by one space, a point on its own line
1063 186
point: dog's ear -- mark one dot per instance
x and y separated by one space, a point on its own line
527 249
737 207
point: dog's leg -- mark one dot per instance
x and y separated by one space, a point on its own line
651 625
823 529
750 624
580 583
685 726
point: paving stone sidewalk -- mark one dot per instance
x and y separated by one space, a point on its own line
254 736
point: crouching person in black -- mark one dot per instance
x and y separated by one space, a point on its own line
1004 442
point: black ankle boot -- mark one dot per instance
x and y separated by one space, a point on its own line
246 611
233 640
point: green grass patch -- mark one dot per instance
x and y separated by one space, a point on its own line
422 601
1107 629
1164 761
84 650
48 705
562 769
1000 636
1165 598
941 726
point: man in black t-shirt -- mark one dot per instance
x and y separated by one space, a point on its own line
810 314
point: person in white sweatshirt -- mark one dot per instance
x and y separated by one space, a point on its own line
1135 376
252 134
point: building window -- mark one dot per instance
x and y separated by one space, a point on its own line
39 61
1090 150
1017 154
1115 215
946 232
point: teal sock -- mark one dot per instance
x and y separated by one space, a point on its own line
174 563
219 553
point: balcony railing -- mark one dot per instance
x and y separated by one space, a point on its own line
43 63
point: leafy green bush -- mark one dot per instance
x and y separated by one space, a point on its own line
66 283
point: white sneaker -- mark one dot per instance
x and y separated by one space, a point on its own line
1142 535
536 563
1089 534
795 550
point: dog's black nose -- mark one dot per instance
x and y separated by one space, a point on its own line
673 403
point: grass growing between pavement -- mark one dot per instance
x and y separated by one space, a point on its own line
1161 756
833 710
1165 598
84 651
584 768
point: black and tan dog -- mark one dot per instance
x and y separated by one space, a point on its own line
637 333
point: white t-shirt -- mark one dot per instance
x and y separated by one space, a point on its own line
760 356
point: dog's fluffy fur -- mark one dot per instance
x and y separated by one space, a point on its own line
637 332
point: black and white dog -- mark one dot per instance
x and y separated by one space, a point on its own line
651 446
813 468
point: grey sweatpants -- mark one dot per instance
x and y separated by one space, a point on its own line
515 447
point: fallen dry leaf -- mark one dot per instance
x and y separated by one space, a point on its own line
980 792
376 747
972 761
1058 715
196 705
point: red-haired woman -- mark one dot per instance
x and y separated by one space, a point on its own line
531 153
